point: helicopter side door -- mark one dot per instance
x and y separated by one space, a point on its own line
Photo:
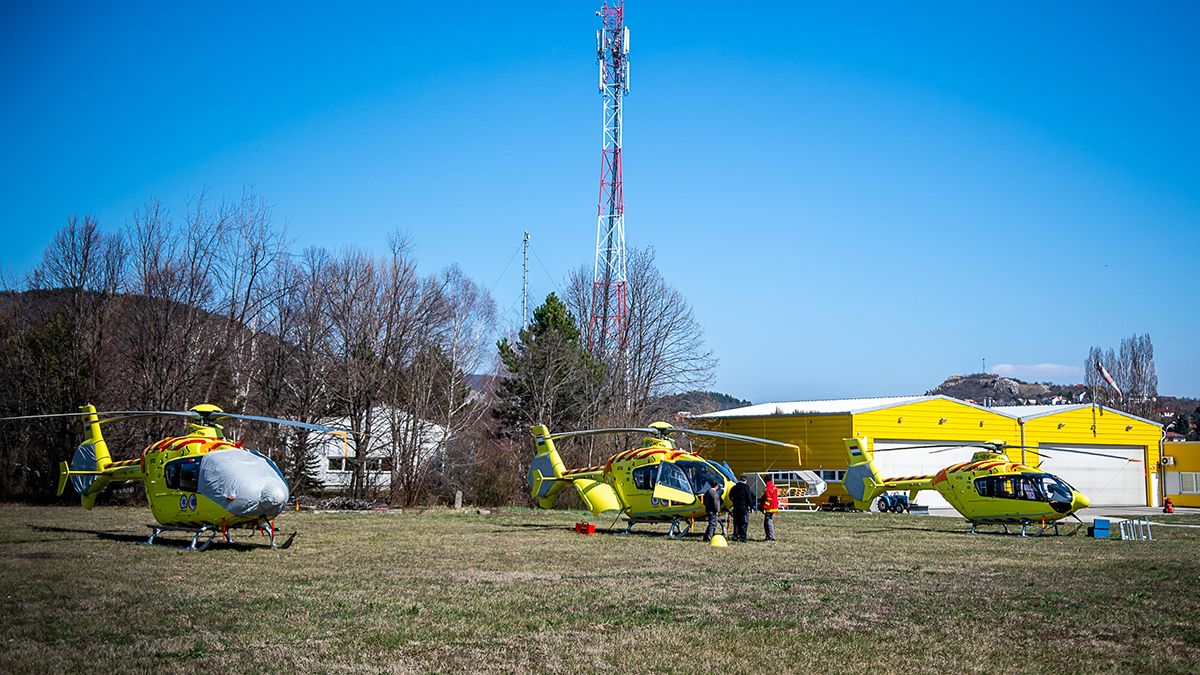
673 485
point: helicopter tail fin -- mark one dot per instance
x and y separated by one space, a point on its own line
545 470
86 472
85 475
862 480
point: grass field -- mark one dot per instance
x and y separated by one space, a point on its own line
519 591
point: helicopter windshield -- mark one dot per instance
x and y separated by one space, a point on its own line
700 474
1056 489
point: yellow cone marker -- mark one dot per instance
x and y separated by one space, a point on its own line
718 540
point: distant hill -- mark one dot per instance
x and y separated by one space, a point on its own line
992 389
695 403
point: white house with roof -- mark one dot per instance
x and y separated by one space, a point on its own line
337 456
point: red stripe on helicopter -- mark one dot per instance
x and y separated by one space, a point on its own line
900 478
587 469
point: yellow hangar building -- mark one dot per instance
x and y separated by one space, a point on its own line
818 428
1181 473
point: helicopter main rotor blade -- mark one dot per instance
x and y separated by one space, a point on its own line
945 447
732 437
139 416
275 420
594 432
1085 452
128 413
38 417
948 448
124 415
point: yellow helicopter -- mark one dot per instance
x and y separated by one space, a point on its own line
989 489
655 482
199 483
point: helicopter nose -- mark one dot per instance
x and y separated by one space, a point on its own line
244 482
264 495
274 494
1080 502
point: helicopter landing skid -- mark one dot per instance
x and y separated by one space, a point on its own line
273 536
196 544
679 529
1031 528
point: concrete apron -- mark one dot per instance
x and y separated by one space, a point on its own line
1114 513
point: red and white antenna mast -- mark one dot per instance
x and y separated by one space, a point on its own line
609 320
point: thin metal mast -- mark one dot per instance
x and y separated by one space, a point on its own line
525 281
608 323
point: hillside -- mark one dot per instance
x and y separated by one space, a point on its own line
695 403
991 389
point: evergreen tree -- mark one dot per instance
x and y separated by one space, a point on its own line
549 373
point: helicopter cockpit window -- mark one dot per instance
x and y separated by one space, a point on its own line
671 475
644 476
700 474
1029 488
183 474
1000 487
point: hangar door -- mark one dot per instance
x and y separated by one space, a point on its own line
1107 482
920 462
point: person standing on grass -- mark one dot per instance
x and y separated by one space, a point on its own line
712 509
743 501
769 505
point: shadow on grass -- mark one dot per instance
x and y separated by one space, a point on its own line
164 539
901 528
613 532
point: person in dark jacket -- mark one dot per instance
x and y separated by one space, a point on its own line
742 500
712 509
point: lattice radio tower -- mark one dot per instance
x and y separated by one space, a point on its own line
608 324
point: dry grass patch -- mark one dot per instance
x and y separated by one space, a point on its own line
519 591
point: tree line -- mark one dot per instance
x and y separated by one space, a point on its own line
213 306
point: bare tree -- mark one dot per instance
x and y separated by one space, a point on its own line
290 377
664 344
87 266
356 309
437 406
169 343
250 250
1132 369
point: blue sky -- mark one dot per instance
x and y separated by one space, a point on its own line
857 199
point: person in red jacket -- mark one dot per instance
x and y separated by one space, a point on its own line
769 505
